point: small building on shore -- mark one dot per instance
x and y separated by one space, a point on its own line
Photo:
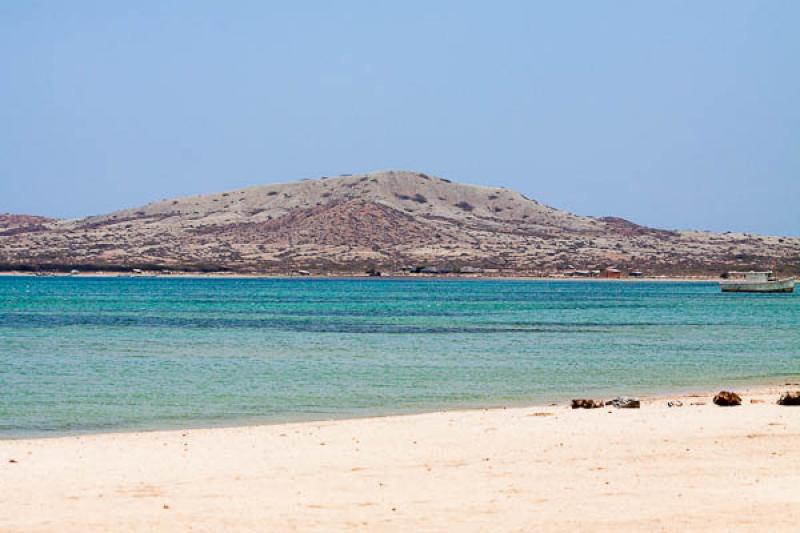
611 273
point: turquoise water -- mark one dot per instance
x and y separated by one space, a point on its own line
94 354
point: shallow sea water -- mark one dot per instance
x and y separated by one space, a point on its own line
97 354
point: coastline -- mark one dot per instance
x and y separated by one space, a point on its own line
696 466
758 387
359 276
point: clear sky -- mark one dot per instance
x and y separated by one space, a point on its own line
672 114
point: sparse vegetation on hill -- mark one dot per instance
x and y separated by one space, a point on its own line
382 220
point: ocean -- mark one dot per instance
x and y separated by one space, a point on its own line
89 354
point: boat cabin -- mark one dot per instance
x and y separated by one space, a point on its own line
755 277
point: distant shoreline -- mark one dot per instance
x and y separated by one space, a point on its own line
356 276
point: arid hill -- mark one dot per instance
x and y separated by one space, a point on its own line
386 220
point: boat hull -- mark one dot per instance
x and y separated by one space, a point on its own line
780 285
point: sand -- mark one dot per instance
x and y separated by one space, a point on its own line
697 467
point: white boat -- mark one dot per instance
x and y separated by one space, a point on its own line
756 282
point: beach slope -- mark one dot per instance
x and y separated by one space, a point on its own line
699 467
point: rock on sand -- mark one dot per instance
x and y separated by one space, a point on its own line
583 403
727 399
789 398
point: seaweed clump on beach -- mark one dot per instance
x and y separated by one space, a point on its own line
623 402
583 403
727 399
789 398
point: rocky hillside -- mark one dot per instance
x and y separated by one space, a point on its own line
385 220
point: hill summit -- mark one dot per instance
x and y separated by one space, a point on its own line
386 220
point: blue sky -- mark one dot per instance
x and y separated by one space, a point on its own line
672 114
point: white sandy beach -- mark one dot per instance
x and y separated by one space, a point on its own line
697 467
